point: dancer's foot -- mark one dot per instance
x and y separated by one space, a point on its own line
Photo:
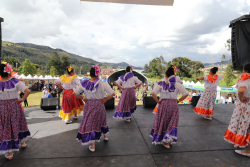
23 145
68 122
75 118
208 118
127 120
9 155
243 152
167 145
92 148
106 138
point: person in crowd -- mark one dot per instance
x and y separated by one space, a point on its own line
199 94
127 102
238 131
205 105
94 121
13 125
223 100
165 127
25 100
49 95
54 93
226 100
194 93
230 99
71 106
45 92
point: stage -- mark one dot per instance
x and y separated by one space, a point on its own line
200 142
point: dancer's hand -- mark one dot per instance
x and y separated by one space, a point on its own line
103 101
85 100
78 96
159 102
244 100
134 87
19 101
197 79
123 88
21 79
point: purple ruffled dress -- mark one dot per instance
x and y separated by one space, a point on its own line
13 125
94 121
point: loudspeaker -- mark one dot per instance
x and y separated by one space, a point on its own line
240 41
195 100
49 103
149 102
110 104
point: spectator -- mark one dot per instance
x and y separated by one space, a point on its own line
226 100
54 93
230 99
45 92
49 95
194 93
25 101
199 94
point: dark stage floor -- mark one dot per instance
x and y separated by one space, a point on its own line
200 142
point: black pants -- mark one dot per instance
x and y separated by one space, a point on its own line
25 103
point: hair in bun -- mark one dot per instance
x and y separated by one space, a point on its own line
170 71
214 70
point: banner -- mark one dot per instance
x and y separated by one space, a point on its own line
142 2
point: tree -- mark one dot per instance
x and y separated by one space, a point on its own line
28 68
196 66
65 64
156 67
146 69
53 71
39 72
228 75
13 61
183 66
55 61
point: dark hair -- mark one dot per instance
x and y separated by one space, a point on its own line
170 71
247 67
92 72
3 74
128 69
214 70
70 71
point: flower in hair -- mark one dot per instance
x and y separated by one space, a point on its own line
8 68
131 68
175 68
97 70
3 62
70 69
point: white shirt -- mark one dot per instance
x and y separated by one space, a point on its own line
230 99
98 94
164 94
194 94
246 84
69 85
130 83
45 93
212 86
9 94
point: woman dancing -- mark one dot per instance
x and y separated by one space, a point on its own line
205 105
238 131
127 102
13 125
71 106
165 127
94 121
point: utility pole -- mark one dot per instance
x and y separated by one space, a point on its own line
1 20
80 70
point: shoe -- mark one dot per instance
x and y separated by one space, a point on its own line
75 118
8 156
106 138
166 145
243 153
127 120
92 149
23 145
208 118
69 122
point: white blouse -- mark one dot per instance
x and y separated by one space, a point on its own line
69 85
165 94
130 83
98 94
246 84
9 94
212 86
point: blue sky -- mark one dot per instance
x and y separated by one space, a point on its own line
135 34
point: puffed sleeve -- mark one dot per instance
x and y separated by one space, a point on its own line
157 89
59 81
181 89
205 78
76 81
220 77
119 81
107 88
79 89
178 80
137 81
243 84
21 86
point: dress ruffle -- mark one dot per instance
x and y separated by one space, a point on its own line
237 140
72 113
203 112
124 115
91 137
127 76
10 84
67 79
170 87
165 137
89 86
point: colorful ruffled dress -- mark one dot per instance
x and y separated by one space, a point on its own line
205 105
13 125
127 102
165 129
70 104
178 80
94 121
238 131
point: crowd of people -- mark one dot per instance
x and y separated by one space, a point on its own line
89 96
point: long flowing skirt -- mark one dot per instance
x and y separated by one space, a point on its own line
165 128
238 131
94 122
126 105
70 105
205 106
13 126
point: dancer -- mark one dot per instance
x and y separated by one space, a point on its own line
167 117
238 131
205 105
178 80
71 106
13 125
94 121
127 102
